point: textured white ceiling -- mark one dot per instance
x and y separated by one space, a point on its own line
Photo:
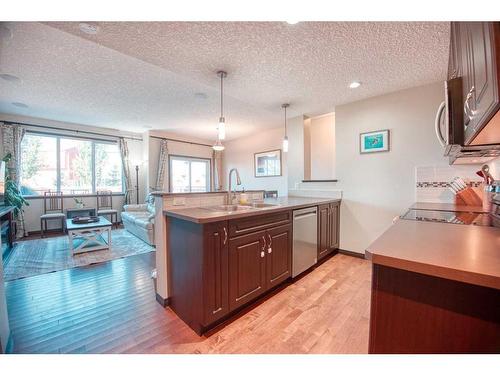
132 74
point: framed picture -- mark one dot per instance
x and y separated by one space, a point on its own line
267 163
377 141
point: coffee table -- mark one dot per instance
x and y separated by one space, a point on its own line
88 237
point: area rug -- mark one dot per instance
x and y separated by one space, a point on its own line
36 257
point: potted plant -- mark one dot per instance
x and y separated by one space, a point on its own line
13 195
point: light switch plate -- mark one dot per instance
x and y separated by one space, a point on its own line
179 201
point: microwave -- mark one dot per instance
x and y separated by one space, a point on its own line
450 129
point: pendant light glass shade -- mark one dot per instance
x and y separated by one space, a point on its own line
221 129
285 144
285 138
218 146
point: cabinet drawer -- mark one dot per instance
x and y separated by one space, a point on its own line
246 225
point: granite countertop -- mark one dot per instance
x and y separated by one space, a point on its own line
466 253
201 215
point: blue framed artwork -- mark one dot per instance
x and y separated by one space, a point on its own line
376 141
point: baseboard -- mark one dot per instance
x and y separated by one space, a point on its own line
352 253
162 301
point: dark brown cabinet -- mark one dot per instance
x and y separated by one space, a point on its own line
258 262
334 226
247 268
475 56
217 268
198 272
323 230
215 272
328 229
454 54
278 255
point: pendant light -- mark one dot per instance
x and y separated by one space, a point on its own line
285 139
221 128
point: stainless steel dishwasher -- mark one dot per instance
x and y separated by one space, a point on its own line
305 239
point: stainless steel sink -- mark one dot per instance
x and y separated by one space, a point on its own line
261 205
228 208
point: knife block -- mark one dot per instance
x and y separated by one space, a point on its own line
468 197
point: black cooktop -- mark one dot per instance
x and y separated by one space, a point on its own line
452 217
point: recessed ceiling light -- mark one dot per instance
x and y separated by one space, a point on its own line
292 22
88 28
9 77
355 84
19 104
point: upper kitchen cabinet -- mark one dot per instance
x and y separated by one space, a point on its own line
475 56
454 57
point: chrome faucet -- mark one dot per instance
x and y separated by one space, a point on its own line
230 197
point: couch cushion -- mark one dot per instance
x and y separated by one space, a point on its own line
129 216
143 223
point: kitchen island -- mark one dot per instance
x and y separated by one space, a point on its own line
222 259
435 288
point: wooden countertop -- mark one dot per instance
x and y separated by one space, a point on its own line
202 215
466 253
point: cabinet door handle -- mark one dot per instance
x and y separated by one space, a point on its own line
270 240
225 235
262 254
469 113
269 251
263 244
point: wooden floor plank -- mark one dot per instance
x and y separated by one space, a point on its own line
111 308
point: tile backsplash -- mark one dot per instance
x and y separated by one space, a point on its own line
431 182
203 199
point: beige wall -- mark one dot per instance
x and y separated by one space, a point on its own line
321 148
296 161
174 148
239 154
378 187
307 150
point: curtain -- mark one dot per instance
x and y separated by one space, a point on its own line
162 167
122 144
12 135
217 162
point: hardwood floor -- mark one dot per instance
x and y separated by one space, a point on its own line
111 308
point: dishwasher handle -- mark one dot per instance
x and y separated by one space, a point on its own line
302 214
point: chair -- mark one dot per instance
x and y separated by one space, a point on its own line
53 210
105 206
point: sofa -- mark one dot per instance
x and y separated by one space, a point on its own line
139 219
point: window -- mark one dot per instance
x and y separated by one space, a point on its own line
70 165
189 175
